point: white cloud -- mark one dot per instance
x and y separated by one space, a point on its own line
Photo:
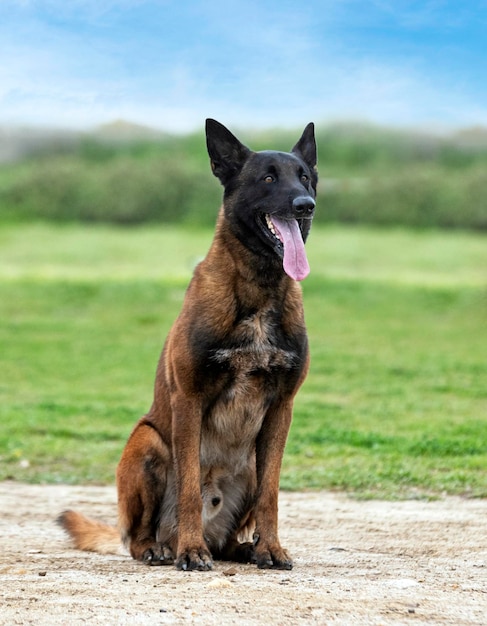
80 64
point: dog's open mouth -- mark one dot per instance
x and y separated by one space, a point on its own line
271 226
288 234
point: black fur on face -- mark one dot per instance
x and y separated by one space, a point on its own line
262 184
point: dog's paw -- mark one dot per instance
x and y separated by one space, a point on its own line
195 559
243 553
158 554
270 556
273 559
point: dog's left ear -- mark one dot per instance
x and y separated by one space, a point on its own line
227 153
306 146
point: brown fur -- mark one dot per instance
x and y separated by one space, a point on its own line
200 471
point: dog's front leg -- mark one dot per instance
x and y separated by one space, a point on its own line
268 552
192 551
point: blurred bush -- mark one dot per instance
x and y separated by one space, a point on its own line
367 175
415 196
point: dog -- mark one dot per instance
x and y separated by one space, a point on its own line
199 476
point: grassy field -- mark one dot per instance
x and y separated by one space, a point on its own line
396 401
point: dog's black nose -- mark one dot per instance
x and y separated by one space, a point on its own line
303 205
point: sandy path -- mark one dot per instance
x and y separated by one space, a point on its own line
355 563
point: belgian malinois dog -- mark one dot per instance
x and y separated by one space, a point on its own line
198 479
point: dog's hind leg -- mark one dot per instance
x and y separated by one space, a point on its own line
235 551
142 478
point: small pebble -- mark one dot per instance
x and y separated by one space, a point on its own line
231 571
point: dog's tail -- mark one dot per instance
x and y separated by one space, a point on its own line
91 535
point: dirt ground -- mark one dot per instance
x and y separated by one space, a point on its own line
354 563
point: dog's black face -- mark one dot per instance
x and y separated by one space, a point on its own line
269 196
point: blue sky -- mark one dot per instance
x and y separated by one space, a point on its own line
167 64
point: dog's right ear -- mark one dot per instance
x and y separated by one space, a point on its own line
227 153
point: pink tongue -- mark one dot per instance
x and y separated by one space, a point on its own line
295 262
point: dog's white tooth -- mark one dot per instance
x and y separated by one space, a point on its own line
270 225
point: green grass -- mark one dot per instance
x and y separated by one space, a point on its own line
396 401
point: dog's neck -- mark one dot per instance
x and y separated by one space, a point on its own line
265 272
244 289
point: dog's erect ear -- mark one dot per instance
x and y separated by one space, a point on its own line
227 154
306 146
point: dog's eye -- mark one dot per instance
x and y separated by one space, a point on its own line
269 179
304 178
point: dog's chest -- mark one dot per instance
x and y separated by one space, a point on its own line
255 348
251 367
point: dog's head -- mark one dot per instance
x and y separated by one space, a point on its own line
269 197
